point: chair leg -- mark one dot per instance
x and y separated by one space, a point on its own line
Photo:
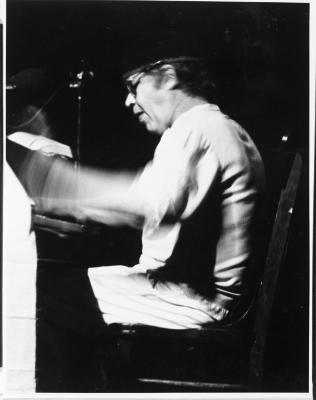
118 364
255 377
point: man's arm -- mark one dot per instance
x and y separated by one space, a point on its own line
60 188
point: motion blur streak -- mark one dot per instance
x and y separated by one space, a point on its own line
59 187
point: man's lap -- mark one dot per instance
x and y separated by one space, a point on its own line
126 295
86 300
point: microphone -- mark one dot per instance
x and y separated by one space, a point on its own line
82 78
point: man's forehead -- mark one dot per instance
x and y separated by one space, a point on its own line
143 68
132 75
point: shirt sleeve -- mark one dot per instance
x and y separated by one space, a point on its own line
174 183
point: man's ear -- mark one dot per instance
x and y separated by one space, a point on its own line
170 78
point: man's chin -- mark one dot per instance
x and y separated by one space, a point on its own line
149 127
154 132
153 129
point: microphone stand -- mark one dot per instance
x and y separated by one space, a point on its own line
78 84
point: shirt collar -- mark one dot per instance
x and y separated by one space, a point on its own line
210 106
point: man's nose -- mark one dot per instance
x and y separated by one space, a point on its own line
130 100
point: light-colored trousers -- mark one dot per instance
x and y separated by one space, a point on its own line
127 296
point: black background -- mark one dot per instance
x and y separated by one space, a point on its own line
261 51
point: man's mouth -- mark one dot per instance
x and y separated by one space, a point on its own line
140 116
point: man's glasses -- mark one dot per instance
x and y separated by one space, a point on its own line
133 81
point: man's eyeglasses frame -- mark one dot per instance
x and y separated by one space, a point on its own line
133 81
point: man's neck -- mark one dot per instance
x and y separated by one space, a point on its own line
184 103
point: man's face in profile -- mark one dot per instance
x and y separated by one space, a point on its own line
150 101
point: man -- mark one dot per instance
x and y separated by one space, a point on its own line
195 202
200 193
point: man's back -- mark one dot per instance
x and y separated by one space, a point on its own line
209 165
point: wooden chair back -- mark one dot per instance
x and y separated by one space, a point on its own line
275 254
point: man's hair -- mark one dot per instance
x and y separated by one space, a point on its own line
194 78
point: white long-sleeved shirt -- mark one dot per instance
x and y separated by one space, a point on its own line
208 174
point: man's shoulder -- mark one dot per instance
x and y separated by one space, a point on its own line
206 115
209 121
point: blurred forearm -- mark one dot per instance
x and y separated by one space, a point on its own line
58 187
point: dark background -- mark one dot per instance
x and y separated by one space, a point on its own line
261 51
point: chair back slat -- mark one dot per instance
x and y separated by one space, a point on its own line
275 254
